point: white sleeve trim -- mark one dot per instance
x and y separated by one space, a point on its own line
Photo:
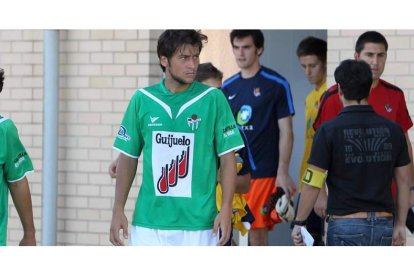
233 149
16 180
127 154
3 119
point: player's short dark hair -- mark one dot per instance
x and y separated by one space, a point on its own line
370 37
170 40
257 35
207 71
313 46
354 78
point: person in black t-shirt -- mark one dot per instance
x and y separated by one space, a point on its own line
358 153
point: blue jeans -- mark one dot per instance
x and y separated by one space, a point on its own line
372 231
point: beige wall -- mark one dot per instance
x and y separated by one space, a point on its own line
219 52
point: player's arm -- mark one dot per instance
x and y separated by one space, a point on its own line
243 170
285 151
126 170
228 181
329 107
243 183
410 154
112 168
20 193
313 180
321 202
402 176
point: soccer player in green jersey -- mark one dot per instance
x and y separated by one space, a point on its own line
180 126
14 165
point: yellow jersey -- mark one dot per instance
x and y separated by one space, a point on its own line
311 111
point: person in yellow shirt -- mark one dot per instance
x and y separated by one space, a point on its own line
311 53
242 217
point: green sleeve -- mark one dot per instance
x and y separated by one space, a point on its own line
227 134
17 162
129 139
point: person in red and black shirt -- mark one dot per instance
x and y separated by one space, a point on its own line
385 98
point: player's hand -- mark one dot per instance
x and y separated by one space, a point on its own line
223 221
297 236
28 240
112 168
321 203
399 235
285 182
119 221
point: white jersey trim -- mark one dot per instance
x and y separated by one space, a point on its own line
163 105
233 149
127 154
16 180
3 119
190 102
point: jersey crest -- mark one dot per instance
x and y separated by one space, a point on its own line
193 121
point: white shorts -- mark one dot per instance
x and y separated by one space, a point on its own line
147 236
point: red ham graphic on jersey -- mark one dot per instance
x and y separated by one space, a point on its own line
178 168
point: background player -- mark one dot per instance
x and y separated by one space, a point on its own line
15 164
262 104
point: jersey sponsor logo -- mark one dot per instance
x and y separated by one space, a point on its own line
19 159
193 121
122 134
170 140
247 128
172 162
244 115
231 97
388 108
170 174
154 119
229 130
256 92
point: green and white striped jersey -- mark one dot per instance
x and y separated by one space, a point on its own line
181 136
14 165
